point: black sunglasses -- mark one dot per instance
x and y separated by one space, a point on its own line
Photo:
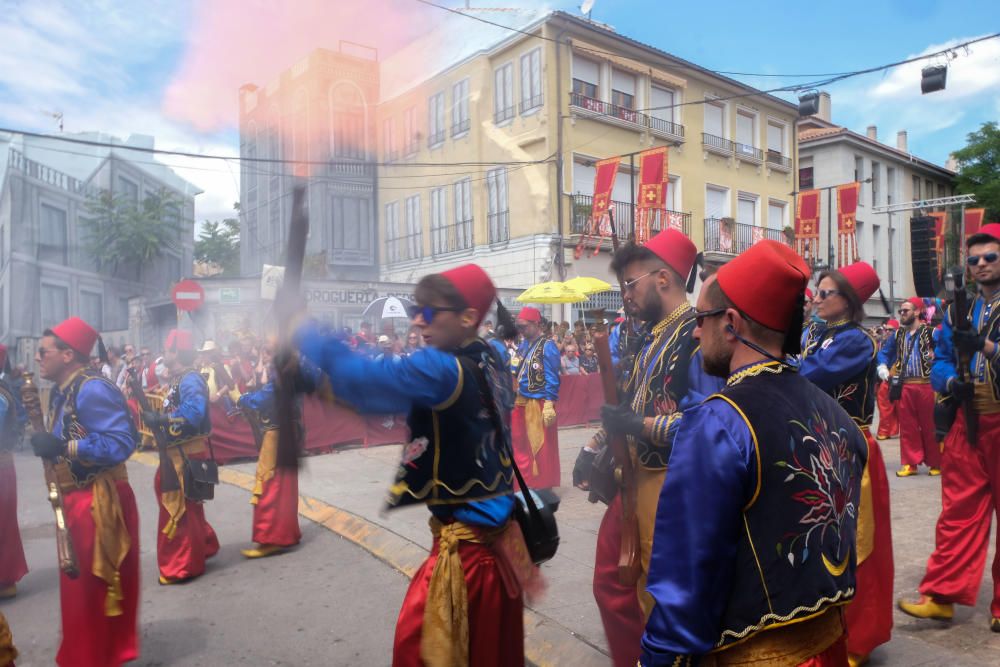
701 315
428 312
989 258
826 293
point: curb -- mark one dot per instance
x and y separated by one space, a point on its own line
546 643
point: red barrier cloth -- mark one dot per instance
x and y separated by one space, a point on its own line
276 514
888 425
621 615
970 494
12 563
89 638
184 556
869 614
917 442
547 459
580 399
496 620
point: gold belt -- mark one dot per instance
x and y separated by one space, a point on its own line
983 401
916 381
68 483
783 646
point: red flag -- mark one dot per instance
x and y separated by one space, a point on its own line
973 220
652 190
807 223
604 183
847 210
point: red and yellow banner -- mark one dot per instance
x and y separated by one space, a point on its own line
653 179
847 221
940 226
600 225
807 224
973 220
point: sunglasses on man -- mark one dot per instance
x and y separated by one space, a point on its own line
428 312
989 258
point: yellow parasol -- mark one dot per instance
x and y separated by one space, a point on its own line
588 285
551 292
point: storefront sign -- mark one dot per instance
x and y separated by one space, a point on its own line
229 295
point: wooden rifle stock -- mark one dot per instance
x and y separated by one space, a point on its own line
64 541
168 474
629 566
287 302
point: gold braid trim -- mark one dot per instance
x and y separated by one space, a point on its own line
772 367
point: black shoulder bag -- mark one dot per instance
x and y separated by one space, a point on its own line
200 476
537 522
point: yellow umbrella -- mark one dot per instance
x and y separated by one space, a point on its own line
551 292
588 285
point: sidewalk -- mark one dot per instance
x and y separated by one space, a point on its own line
565 627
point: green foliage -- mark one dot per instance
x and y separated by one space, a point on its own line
979 168
219 243
123 235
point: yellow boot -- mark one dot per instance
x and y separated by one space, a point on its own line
906 471
926 607
855 660
262 551
8 592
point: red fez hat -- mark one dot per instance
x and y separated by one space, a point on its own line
179 340
529 314
862 278
892 324
675 249
77 334
916 302
767 283
986 233
475 287
809 294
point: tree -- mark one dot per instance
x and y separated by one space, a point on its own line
219 243
979 168
123 234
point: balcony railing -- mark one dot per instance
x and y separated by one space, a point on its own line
404 248
460 127
613 113
503 115
622 212
531 103
435 138
776 159
749 153
716 144
499 227
733 237
452 238
342 167
17 160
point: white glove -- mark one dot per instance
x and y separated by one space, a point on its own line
883 372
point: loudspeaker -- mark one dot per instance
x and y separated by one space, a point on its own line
926 279
932 79
808 104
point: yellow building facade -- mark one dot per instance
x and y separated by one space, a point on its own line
520 124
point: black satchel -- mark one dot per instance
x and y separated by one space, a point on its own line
536 519
895 388
200 476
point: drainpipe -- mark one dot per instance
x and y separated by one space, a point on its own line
561 252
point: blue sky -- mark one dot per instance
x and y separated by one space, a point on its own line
114 66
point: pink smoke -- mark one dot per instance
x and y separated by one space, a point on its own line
236 42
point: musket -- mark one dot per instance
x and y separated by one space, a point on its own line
287 302
168 474
960 307
629 567
64 541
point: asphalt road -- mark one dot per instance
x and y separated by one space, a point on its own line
326 603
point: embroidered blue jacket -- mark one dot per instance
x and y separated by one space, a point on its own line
538 373
187 407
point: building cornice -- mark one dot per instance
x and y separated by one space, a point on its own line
861 141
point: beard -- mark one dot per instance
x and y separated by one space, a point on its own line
716 365
651 309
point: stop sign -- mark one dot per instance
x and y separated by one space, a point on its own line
187 295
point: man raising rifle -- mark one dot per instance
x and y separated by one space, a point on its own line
970 480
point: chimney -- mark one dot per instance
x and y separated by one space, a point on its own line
901 141
873 133
824 107
952 163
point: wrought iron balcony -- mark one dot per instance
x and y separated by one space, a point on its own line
748 153
779 161
452 238
405 248
499 227
460 127
531 103
616 114
727 236
716 144
622 212
503 115
435 138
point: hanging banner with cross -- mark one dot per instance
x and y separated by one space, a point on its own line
600 225
653 180
807 224
847 216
